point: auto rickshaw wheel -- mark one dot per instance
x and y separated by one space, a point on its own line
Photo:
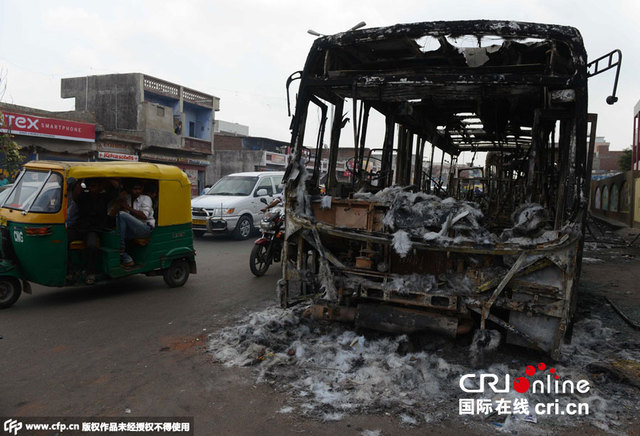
10 290
199 233
177 273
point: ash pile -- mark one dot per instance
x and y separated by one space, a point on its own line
448 221
329 372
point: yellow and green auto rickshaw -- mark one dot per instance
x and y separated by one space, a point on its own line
36 246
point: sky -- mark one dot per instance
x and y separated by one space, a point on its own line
243 51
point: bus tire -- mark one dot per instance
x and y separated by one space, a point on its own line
10 290
177 273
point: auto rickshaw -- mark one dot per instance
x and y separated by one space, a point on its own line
33 224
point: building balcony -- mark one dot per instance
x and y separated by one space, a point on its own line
197 145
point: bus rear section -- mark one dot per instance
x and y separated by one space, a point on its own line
439 179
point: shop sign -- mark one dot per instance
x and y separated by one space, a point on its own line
276 158
29 125
117 156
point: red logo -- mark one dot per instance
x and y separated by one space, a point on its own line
522 384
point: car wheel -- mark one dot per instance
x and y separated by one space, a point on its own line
243 228
10 291
177 273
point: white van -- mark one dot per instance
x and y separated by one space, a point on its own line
233 203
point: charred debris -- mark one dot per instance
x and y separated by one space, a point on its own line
390 242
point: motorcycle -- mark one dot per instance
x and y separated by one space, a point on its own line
268 247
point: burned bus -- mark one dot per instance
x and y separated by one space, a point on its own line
392 239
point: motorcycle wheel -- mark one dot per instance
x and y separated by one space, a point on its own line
258 261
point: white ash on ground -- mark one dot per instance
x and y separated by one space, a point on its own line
331 371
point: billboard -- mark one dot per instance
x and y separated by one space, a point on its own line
30 125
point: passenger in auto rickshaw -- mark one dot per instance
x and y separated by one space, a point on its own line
136 219
88 215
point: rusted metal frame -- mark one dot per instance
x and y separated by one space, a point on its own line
364 112
397 89
317 244
505 325
298 124
388 239
553 309
577 175
406 158
592 121
452 164
421 127
570 287
610 64
417 172
318 154
503 28
563 161
409 156
433 148
537 265
424 302
333 147
482 148
526 287
514 269
387 152
290 79
400 162
356 123
440 175
536 143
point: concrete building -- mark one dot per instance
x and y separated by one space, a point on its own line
603 158
225 127
236 151
50 135
151 119
635 148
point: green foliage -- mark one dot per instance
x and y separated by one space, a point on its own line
624 163
11 159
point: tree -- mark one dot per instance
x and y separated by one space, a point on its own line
10 157
624 162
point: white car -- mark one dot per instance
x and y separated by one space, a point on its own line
233 204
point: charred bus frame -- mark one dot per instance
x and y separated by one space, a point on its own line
371 250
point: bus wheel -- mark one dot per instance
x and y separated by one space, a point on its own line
10 291
177 273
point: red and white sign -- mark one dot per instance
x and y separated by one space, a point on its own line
117 156
29 125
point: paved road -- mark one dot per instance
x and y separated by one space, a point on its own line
135 347
131 344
